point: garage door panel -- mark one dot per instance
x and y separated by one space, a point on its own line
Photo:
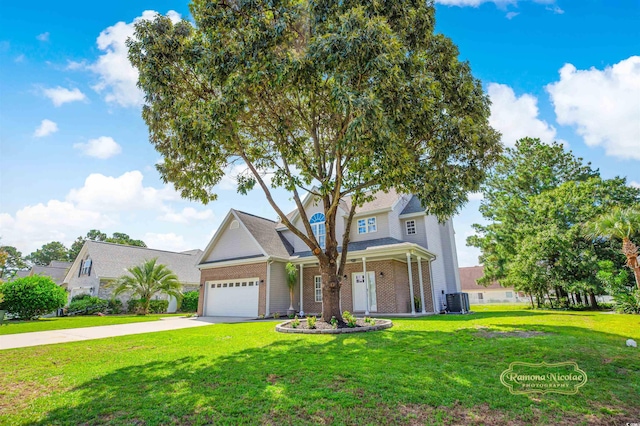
233 298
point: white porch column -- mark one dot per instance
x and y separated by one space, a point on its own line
366 284
413 306
436 302
421 283
301 280
268 288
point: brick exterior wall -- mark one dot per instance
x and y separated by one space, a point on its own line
240 271
392 287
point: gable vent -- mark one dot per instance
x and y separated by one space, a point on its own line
234 225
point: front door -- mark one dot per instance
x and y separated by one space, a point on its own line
360 294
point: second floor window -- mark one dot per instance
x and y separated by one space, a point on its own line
411 227
318 228
367 225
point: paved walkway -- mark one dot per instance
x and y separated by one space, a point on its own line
37 338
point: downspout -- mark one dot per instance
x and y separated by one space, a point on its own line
436 302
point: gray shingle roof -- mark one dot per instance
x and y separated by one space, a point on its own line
264 231
111 260
413 206
56 270
360 245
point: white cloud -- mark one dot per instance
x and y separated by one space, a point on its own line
169 241
103 147
517 117
188 214
60 95
43 36
603 105
634 184
75 65
33 226
120 194
20 58
46 128
117 78
499 3
511 15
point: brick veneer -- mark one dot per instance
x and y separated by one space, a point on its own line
240 271
392 287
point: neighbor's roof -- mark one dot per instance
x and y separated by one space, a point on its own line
56 270
111 260
469 276
264 232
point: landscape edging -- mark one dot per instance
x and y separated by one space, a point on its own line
383 326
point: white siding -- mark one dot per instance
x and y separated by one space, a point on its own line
279 292
451 274
420 237
434 245
233 243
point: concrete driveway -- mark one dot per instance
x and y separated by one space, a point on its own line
37 338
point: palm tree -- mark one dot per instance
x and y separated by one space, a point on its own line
147 280
291 283
620 224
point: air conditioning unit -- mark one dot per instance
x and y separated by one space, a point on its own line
458 303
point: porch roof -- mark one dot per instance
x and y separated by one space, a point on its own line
377 247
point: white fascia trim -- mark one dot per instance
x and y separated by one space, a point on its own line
233 262
370 212
376 251
409 215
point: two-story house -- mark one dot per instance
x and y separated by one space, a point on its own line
399 261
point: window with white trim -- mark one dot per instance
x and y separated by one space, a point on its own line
317 280
85 268
410 226
318 228
367 225
509 294
480 296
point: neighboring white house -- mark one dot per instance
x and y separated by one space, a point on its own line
397 255
98 264
479 294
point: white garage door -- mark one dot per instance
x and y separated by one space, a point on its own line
232 298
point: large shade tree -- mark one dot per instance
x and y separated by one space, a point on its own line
334 99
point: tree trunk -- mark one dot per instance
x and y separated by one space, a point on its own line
592 300
531 297
291 299
630 250
550 301
331 284
578 298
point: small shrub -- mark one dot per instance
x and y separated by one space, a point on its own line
155 306
346 315
417 303
87 306
114 306
80 297
291 316
261 316
295 323
628 303
369 321
31 297
334 322
311 322
276 315
190 301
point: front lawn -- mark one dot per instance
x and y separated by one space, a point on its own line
435 370
61 323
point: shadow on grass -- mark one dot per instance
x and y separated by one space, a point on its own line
390 377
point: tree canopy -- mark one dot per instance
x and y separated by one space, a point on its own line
97 235
49 252
331 99
537 199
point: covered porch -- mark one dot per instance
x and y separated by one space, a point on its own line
393 279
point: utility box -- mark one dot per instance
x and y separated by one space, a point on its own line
458 303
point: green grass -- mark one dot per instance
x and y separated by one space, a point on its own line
434 370
61 323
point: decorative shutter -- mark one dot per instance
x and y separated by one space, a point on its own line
80 270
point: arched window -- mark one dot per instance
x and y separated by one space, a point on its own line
317 226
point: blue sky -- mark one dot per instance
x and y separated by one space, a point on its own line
74 152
